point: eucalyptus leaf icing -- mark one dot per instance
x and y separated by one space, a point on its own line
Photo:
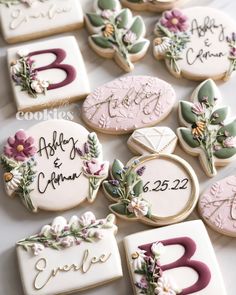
209 132
116 32
196 43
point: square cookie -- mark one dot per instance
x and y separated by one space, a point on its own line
178 259
69 256
26 20
47 74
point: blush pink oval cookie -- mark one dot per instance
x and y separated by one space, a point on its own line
128 103
217 206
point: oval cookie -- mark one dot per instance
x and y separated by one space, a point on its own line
55 165
128 103
217 206
197 43
156 189
150 5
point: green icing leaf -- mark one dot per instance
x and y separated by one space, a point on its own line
225 153
101 41
117 168
138 188
219 115
188 138
119 208
107 4
138 27
207 91
95 20
186 112
131 178
123 18
136 48
229 129
110 189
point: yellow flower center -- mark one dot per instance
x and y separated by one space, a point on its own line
20 148
8 176
158 41
175 21
135 255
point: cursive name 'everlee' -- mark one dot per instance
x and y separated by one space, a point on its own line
45 275
20 17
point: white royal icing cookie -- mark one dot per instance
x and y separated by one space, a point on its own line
128 103
152 5
47 74
177 259
197 43
23 20
116 33
54 165
217 206
210 133
69 256
156 189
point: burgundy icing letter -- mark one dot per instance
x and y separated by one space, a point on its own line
56 64
204 274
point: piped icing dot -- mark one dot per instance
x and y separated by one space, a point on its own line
8 176
20 148
175 21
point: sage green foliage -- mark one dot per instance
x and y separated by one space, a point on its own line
211 138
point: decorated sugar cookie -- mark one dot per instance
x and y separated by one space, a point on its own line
177 259
23 20
69 256
217 206
152 5
47 74
116 33
128 103
54 165
197 43
156 189
210 133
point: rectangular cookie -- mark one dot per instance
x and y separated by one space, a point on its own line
26 20
47 74
178 259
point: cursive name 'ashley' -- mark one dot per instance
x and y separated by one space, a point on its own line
59 142
45 274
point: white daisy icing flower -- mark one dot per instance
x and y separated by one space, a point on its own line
161 45
230 142
107 13
12 181
37 248
16 68
130 37
87 219
138 207
166 287
39 86
23 52
138 259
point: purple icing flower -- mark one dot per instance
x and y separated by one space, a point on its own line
114 182
174 20
20 147
198 108
233 52
141 170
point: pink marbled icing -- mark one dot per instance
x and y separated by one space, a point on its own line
218 205
128 103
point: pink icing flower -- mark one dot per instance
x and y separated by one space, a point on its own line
107 13
130 37
138 207
198 108
230 142
20 147
175 21
95 168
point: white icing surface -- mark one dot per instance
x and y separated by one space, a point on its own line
153 140
78 89
42 18
183 276
69 193
211 67
164 199
66 282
